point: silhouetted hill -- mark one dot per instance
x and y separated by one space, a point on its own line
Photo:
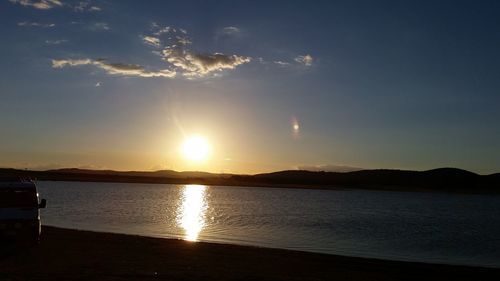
160 173
441 180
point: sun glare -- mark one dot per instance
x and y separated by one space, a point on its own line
196 148
191 214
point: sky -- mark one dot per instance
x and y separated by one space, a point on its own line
268 85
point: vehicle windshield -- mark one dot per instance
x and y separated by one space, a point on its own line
17 198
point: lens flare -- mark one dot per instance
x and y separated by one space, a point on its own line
295 127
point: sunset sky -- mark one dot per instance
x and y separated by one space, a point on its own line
268 85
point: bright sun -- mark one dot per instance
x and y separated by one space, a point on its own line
196 148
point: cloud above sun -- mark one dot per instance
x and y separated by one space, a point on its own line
114 68
99 26
41 5
35 24
176 51
230 30
56 42
86 6
153 41
173 47
81 6
306 60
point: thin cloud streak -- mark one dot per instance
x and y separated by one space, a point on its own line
55 42
152 41
230 30
86 6
41 5
99 26
281 63
35 24
82 6
114 68
306 60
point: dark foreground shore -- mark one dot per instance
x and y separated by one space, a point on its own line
82 255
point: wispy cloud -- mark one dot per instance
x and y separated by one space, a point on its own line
81 6
157 30
299 62
35 24
281 63
99 26
306 60
200 65
150 40
227 32
114 68
194 64
41 5
55 42
86 6
230 30
173 46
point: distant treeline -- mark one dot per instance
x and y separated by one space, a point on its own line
440 180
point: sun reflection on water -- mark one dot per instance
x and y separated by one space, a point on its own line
191 213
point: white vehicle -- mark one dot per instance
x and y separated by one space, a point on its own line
19 211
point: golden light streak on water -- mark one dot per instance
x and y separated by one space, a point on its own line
191 212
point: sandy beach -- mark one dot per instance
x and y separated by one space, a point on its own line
65 254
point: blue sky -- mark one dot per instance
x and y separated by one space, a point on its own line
370 84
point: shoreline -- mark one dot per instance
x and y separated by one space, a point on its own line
66 254
291 186
443 180
376 258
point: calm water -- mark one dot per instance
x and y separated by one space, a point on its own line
430 227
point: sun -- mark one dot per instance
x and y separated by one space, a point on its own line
196 148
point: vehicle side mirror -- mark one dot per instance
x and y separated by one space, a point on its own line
43 204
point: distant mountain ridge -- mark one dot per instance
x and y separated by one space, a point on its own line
159 173
441 179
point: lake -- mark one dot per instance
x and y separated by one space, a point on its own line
410 226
